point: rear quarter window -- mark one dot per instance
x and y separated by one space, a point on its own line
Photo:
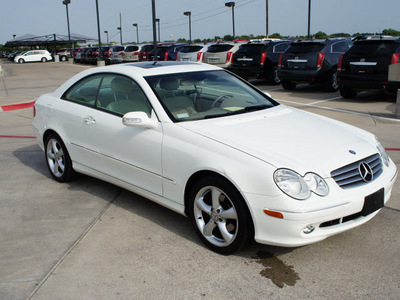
280 48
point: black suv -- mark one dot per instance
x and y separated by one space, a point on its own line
259 59
312 62
366 65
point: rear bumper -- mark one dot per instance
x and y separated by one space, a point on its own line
367 82
309 76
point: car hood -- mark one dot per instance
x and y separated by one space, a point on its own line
285 137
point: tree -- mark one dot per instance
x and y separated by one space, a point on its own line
321 35
275 36
391 31
228 37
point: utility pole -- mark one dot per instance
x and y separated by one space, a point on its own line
153 8
120 26
266 19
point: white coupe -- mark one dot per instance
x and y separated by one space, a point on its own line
204 143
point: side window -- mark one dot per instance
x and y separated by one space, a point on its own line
280 48
120 95
340 47
85 91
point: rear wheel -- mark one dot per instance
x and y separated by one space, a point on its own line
219 215
58 159
347 93
63 58
275 78
44 59
21 60
288 85
331 83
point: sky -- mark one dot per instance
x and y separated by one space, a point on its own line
209 17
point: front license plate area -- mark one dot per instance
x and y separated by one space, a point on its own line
373 202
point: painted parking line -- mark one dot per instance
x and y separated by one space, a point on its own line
18 106
340 110
17 137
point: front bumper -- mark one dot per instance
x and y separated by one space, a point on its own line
340 212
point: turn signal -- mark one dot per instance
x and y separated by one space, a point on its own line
274 214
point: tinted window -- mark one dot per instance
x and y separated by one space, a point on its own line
190 49
251 49
219 48
118 48
131 48
280 48
147 48
340 47
299 48
373 48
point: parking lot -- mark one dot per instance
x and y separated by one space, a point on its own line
92 240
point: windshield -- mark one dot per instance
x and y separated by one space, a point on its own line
208 94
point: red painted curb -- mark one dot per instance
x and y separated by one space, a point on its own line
17 106
17 137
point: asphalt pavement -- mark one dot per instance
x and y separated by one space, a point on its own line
88 239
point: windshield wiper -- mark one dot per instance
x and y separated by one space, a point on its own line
256 107
236 112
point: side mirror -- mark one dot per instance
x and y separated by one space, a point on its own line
139 119
268 94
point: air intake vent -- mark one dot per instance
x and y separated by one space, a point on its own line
358 173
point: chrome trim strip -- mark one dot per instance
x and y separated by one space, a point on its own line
365 63
298 60
309 211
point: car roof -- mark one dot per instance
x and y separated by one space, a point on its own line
151 68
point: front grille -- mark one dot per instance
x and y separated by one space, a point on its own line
350 177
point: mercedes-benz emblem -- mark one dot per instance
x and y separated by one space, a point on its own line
366 172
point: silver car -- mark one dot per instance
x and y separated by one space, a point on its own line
221 54
131 53
192 53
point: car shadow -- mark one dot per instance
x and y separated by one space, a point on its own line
33 157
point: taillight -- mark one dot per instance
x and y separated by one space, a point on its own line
395 58
199 54
339 67
280 61
34 111
95 53
320 59
122 53
107 53
136 53
203 58
166 55
263 57
229 57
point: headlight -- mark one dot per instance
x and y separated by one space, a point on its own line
382 152
298 187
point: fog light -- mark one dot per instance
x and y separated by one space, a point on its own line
308 229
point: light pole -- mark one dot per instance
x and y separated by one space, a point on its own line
159 31
154 20
232 4
266 20
100 60
137 31
66 2
309 18
189 14
106 32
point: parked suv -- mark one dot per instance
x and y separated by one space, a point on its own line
131 53
166 51
64 54
221 54
259 59
366 65
145 52
114 57
192 52
312 62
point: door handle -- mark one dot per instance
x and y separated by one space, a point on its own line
89 120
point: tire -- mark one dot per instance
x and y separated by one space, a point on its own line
21 60
347 93
331 84
275 78
288 85
44 59
63 58
219 215
58 159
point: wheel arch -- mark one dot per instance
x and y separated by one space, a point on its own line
207 173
